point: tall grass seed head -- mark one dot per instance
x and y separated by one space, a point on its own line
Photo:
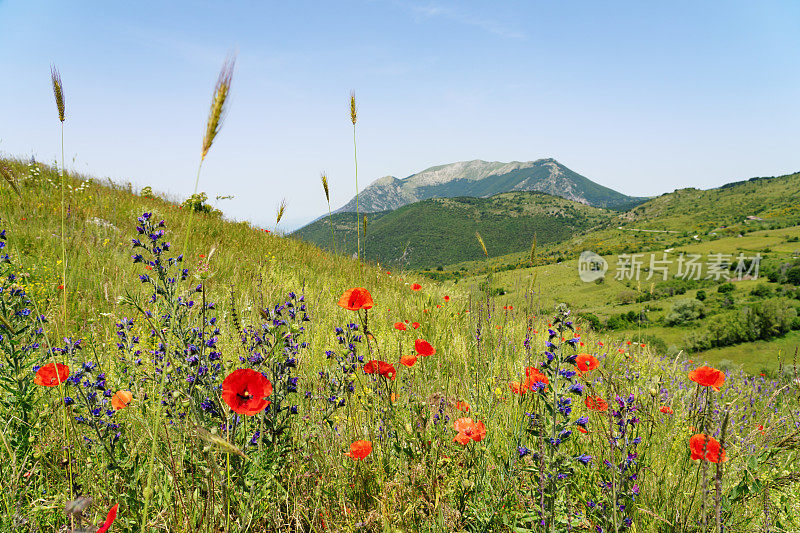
58 92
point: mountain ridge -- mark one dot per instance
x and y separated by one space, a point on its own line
479 178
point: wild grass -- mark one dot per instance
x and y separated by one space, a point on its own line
164 325
405 482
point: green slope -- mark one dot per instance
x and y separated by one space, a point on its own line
685 216
442 231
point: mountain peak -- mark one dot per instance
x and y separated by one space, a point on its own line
481 178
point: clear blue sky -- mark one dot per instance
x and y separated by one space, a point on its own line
643 97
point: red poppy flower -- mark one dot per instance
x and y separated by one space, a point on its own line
50 375
761 429
629 343
534 376
121 399
600 344
424 348
642 345
416 287
666 410
360 449
586 362
408 360
244 391
388 273
380 367
415 325
462 406
469 430
446 298
708 377
355 299
61 288
112 515
596 403
510 307
714 452
583 429
400 326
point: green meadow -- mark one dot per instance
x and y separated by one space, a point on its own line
166 369
618 294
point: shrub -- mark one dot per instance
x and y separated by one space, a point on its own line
726 288
197 204
592 320
793 275
762 290
701 295
626 297
685 310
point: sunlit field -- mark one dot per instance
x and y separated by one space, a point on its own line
166 369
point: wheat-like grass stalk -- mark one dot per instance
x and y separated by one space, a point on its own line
354 119
10 179
324 178
483 245
353 109
279 213
216 115
58 92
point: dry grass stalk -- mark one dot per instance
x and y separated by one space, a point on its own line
353 110
324 178
9 177
325 187
58 92
281 210
216 114
483 245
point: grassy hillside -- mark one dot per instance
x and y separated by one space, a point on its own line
163 416
652 300
674 219
442 231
